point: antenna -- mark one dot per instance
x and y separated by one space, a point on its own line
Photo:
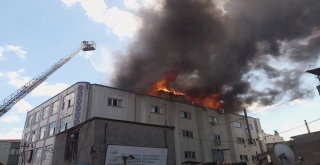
284 154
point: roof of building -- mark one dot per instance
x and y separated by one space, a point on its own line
307 134
10 140
125 90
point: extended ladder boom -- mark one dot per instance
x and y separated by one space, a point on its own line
11 100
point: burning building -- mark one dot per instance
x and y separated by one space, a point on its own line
77 116
214 51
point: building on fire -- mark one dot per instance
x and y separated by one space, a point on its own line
79 114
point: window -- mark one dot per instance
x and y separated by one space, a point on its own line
45 112
38 156
189 154
186 115
254 158
254 142
114 102
37 117
47 153
243 157
240 140
65 123
156 109
237 124
42 132
186 133
26 137
216 138
14 151
217 155
55 107
33 135
250 126
52 128
29 121
213 120
30 155
68 101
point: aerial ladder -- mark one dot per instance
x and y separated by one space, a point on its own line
11 100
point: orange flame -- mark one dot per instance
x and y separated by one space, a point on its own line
211 101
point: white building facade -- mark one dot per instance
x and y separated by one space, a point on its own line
201 134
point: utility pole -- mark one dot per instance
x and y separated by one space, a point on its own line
247 122
305 121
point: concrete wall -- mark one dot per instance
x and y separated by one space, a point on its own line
308 147
96 135
4 151
94 103
6 157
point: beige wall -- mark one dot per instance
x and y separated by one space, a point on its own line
137 108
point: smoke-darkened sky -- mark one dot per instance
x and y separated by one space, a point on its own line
214 51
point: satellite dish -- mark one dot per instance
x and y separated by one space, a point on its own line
284 154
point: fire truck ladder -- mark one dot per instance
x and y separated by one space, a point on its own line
7 103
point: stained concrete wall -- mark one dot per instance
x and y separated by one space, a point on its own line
96 134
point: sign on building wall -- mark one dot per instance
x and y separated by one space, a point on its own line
78 108
129 155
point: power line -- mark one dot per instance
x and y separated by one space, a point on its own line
277 105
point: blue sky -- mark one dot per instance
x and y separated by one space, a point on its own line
35 34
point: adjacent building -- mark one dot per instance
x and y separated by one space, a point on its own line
307 146
9 152
270 140
199 134
137 143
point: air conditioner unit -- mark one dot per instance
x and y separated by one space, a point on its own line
221 111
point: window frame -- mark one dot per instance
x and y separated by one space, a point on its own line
46 112
237 124
156 109
189 154
66 123
50 132
55 107
185 115
213 119
42 132
187 133
115 102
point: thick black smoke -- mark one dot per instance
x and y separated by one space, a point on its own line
212 51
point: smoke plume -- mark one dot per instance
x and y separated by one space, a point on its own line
210 50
